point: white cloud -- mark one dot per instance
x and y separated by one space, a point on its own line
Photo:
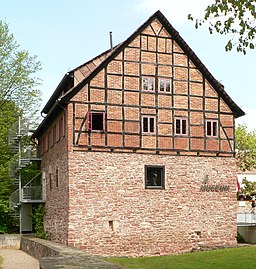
176 11
249 119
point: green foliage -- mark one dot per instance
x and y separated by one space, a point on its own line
240 238
246 148
18 97
231 258
38 221
235 17
17 69
7 117
248 187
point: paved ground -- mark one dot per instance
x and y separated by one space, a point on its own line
17 259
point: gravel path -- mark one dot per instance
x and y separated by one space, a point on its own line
17 259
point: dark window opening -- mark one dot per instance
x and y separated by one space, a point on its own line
50 181
96 121
184 127
152 125
57 178
214 128
154 177
145 125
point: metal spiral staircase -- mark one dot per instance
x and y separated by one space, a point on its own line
25 195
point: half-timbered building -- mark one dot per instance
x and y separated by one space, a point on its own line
137 150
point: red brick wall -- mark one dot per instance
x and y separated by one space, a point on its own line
118 91
111 212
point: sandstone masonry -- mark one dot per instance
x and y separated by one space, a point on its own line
138 151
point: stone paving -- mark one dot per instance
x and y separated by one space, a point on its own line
17 259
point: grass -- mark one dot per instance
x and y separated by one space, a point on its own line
230 258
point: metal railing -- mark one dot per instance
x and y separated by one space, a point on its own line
32 194
246 218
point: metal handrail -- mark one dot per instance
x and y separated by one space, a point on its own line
249 218
32 193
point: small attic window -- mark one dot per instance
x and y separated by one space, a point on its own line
148 84
96 121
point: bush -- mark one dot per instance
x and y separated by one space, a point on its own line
38 221
239 238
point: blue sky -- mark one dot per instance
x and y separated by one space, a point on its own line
65 34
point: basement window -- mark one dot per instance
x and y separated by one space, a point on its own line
212 128
154 177
96 121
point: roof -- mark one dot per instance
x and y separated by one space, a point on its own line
106 57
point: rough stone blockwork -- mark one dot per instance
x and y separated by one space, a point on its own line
196 210
10 241
52 255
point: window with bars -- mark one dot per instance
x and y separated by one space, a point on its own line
148 124
148 84
96 121
181 126
164 85
212 128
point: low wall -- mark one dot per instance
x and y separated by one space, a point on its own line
9 241
53 255
248 233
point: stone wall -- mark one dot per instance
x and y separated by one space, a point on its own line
54 165
52 255
10 241
112 214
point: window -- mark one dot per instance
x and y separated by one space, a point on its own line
57 177
212 128
148 124
154 177
61 127
50 181
96 121
148 84
164 85
54 134
181 126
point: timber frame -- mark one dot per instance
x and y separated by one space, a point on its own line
114 87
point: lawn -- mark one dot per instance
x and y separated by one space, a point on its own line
231 258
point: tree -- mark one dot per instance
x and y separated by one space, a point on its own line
19 96
248 187
235 17
246 148
7 117
17 69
